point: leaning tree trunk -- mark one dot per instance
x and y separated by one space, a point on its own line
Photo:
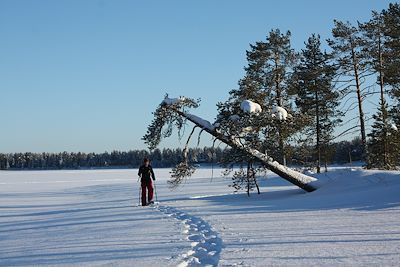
301 180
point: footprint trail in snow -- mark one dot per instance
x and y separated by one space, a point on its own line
206 243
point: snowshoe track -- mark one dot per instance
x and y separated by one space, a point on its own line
206 243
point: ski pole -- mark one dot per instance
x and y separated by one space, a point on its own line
140 187
139 197
155 190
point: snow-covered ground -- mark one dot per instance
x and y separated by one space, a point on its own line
91 218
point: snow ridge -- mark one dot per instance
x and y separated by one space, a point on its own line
206 243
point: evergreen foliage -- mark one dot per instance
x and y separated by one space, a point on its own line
316 97
383 148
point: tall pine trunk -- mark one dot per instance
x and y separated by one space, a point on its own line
279 102
359 99
318 132
383 101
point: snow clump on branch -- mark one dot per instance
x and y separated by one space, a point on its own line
280 113
173 101
250 107
205 124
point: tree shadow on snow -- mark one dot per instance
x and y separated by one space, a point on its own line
291 199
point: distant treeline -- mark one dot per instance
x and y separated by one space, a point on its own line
116 159
342 152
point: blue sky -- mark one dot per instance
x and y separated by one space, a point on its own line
86 75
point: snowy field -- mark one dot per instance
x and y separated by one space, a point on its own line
91 218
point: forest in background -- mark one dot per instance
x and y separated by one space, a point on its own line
340 153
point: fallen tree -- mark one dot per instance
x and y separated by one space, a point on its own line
173 112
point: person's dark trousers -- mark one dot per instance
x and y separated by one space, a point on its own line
149 186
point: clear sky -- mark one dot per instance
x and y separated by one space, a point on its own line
85 75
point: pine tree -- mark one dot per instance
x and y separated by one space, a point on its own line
377 55
266 82
383 152
391 18
374 47
315 95
269 69
347 47
395 134
245 128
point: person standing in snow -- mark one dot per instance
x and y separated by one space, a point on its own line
146 175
